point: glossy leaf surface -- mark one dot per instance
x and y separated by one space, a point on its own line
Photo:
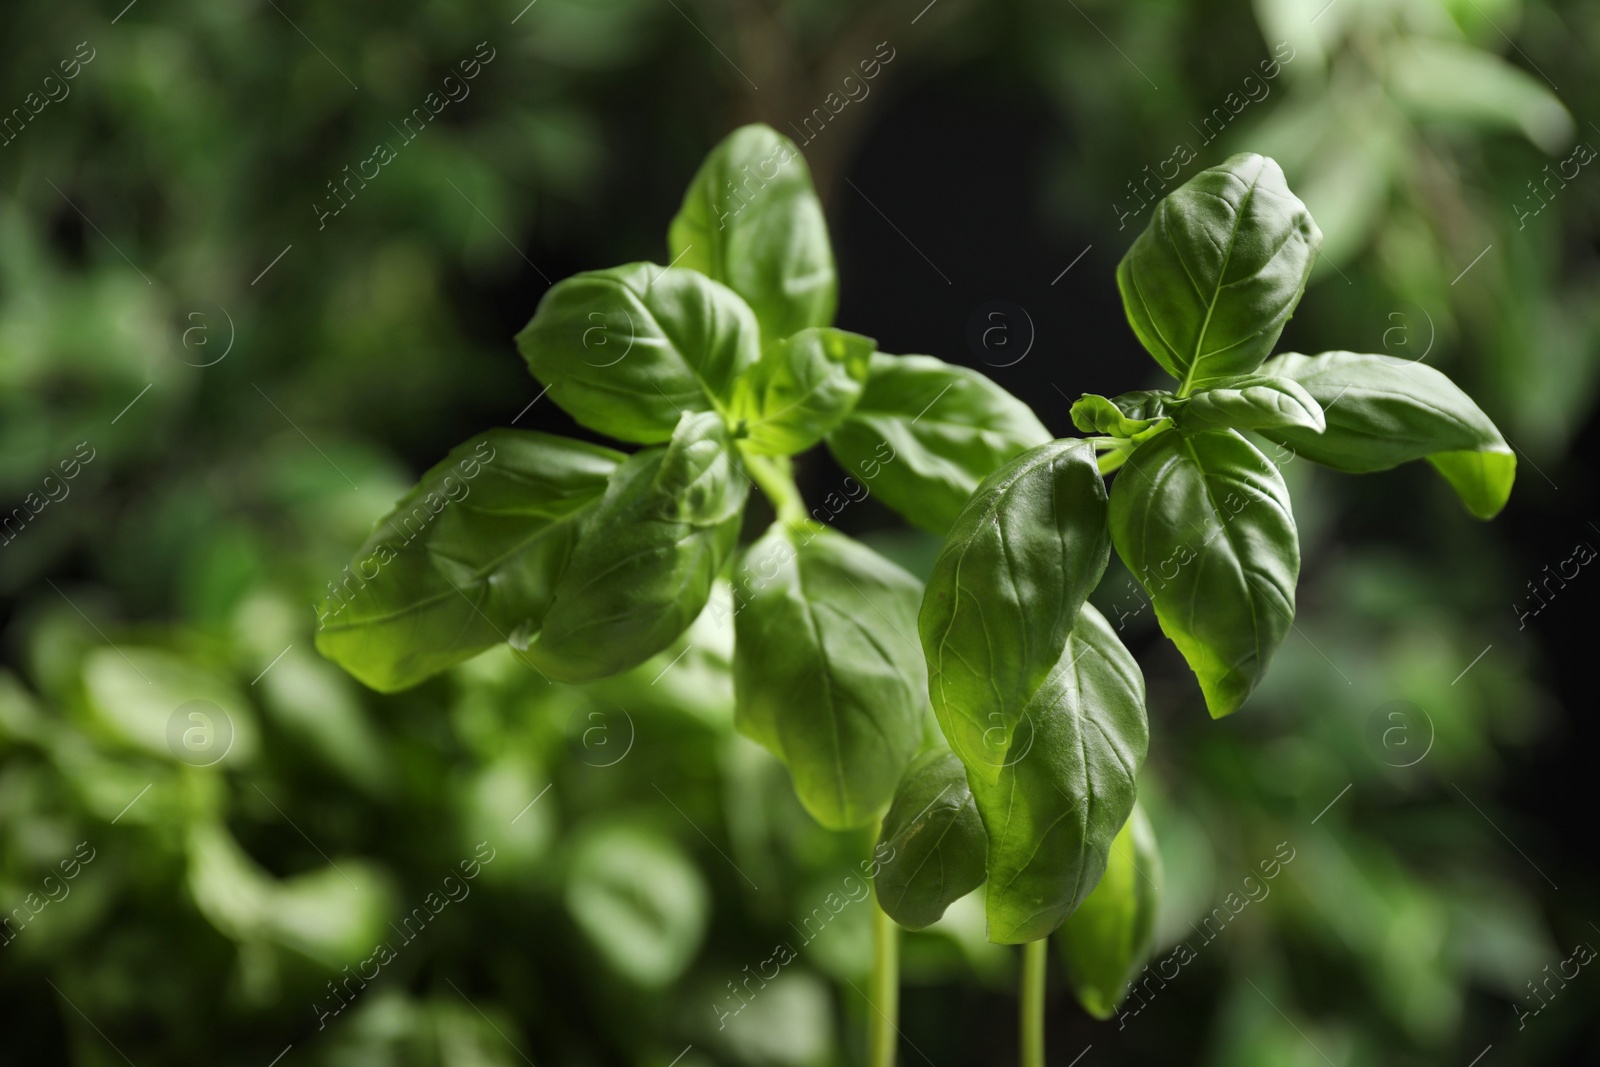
466 559
625 351
926 432
935 839
827 672
1382 411
751 220
646 555
1210 283
1106 941
1204 524
800 389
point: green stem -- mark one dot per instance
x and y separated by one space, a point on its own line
883 1032
1035 954
1110 461
775 477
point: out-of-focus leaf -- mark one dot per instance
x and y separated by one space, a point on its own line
639 899
137 693
1437 79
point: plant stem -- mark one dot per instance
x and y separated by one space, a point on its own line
775 477
1110 461
883 1034
883 1025
1035 954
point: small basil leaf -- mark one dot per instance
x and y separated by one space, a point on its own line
1213 279
800 389
1382 411
646 555
465 559
827 673
1039 728
1126 415
1107 940
926 432
935 840
1250 402
1204 524
625 351
751 220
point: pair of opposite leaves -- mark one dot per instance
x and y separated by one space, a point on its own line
589 561
1041 704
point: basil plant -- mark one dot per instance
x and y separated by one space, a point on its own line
723 365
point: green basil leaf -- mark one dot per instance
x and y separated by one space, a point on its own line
1382 411
751 220
1006 587
1204 524
1250 402
1046 714
625 351
1213 279
800 389
935 842
465 559
1063 785
827 673
1121 416
1107 940
926 432
646 555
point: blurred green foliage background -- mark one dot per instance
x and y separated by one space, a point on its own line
255 380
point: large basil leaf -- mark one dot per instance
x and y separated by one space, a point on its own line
1106 941
800 389
1213 279
1044 711
1064 783
467 558
926 432
646 555
1203 522
751 220
827 673
627 350
1250 402
935 839
1382 411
